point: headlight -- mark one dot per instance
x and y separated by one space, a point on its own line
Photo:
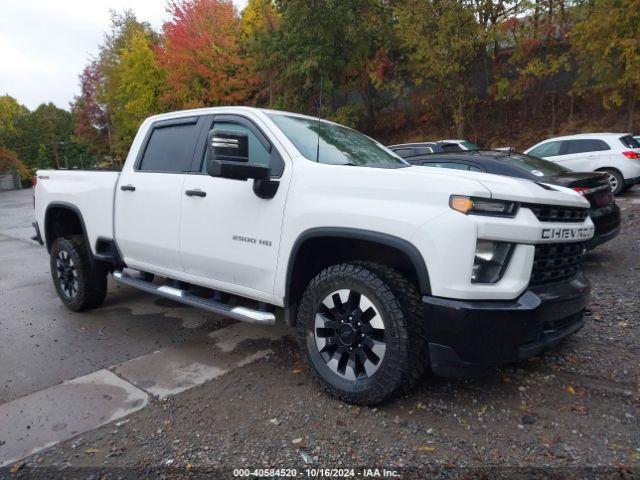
483 206
490 261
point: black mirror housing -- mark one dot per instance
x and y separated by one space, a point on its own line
237 170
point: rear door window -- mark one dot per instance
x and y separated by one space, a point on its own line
584 145
403 152
422 151
629 142
549 149
170 147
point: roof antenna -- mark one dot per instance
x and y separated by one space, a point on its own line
319 111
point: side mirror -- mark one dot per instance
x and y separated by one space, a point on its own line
228 156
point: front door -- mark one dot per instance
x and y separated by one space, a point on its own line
228 234
149 194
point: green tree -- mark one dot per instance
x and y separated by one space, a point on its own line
10 114
606 45
259 25
346 42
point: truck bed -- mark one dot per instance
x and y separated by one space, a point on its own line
92 192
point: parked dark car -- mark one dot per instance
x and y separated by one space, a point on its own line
594 186
406 150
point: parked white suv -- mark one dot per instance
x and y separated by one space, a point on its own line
617 154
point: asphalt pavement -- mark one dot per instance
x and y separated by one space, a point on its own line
192 402
63 373
43 343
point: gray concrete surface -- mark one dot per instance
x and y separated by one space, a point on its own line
176 369
63 411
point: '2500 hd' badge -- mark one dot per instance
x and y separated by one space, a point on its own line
584 233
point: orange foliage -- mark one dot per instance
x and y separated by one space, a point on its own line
201 54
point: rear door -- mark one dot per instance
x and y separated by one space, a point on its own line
149 194
583 154
229 235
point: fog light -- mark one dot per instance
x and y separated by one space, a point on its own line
490 261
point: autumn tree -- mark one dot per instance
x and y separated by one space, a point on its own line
119 88
200 55
606 44
92 127
439 39
133 87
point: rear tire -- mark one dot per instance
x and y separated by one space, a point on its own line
361 330
615 180
80 282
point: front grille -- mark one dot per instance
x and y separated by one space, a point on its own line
557 213
557 261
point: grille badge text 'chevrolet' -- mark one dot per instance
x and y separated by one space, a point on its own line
567 233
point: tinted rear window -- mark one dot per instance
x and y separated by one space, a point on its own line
170 148
630 142
584 145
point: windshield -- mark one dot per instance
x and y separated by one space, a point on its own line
469 145
338 145
534 165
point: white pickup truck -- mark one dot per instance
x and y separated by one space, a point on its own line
385 269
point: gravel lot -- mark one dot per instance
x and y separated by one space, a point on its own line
572 412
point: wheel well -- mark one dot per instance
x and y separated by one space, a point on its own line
314 254
61 221
604 169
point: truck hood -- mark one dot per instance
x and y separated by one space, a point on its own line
506 188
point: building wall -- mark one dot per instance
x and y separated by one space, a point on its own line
9 181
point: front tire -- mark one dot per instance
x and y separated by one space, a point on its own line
81 284
361 330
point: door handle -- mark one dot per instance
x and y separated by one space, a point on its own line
128 188
195 193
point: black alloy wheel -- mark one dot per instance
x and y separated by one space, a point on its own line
350 334
67 274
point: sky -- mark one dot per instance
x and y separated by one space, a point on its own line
45 44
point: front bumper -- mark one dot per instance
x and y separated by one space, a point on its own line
607 224
470 337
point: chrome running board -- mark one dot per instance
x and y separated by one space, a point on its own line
243 314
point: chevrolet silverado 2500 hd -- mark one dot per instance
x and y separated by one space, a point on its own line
385 269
